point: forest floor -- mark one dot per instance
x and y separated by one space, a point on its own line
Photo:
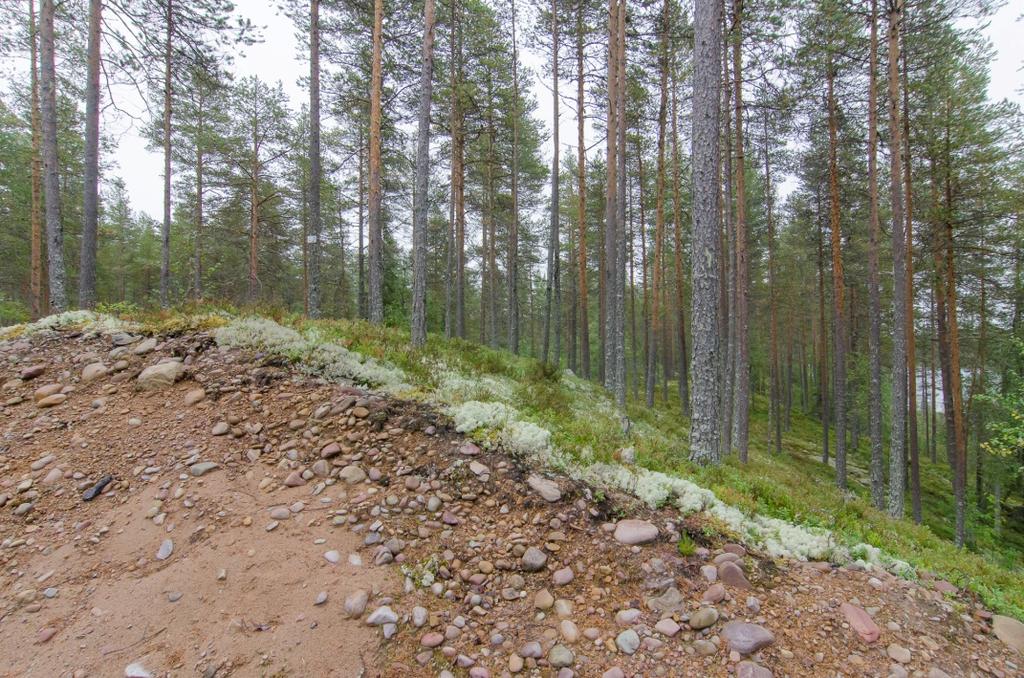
268 522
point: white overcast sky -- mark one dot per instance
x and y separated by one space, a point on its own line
278 58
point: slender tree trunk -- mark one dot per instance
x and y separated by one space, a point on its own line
254 234
631 257
512 265
197 244
620 217
553 253
677 194
421 195
51 177
37 281
659 209
610 238
376 254
915 457
741 399
874 294
165 233
91 164
838 284
706 275
315 220
458 179
773 331
581 209
822 344
978 386
897 438
727 252
361 258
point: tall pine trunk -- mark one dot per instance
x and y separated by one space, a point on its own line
51 176
37 279
659 209
581 208
706 275
315 221
874 293
91 164
421 196
838 282
897 437
741 371
376 234
915 456
165 230
551 314
677 194
512 265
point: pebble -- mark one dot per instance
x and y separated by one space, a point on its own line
628 641
703 618
633 532
321 598
165 550
202 468
898 653
546 488
563 576
560 656
747 638
355 603
534 559
332 556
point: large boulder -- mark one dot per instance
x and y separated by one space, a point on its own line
1010 631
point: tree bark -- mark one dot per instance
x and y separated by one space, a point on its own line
512 265
915 457
421 196
838 283
822 344
897 438
550 314
677 193
165 232
91 167
775 419
37 280
376 235
704 426
315 221
610 238
620 217
874 294
51 177
581 208
741 399
659 210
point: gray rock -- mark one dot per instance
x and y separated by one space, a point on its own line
355 603
160 375
165 550
546 488
563 576
382 615
748 669
202 468
1010 631
534 559
703 618
352 474
560 655
628 641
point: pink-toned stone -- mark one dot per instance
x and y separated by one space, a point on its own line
860 622
714 594
732 575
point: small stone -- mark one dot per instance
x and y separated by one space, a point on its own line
628 641
165 550
632 532
432 639
174 596
898 653
546 488
321 598
355 603
352 474
860 622
667 627
93 371
160 375
52 400
202 468
136 670
748 669
703 618
534 559
714 594
543 600
732 575
747 638
569 631
563 576
332 556
560 655
294 479
220 428
194 396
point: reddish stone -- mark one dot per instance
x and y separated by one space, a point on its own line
860 622
732 575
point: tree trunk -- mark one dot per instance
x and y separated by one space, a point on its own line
254 234
915 457
704 432
421 196
457 211
197 246
659 208
838 284
677 193
581 209
512 265
822 343
315 221
51 177
553 254
874 294
165 232
91 166
741 399
361 258
775 388
620 216
610 239
897 438
37 280
727 255
376 254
